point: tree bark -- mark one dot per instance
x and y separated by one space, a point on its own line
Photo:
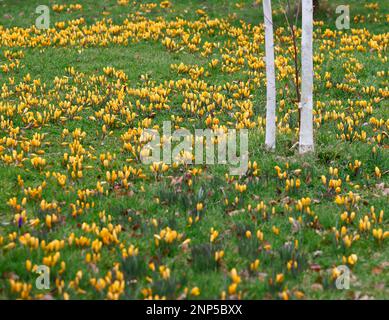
306 124
270 139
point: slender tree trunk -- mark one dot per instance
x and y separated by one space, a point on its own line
316 5
270 140
306 124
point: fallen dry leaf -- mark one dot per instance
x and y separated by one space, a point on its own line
315 267
317 287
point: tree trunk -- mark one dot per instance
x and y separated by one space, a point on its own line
316 5
270 139
306 124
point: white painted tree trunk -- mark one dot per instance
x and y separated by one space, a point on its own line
306 120
270 139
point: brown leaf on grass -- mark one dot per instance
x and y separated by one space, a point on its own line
286 200
317 253
235 212
119 191
10 275
317 287
184 246
182 296
255 4
94 268
380 286
296 226
306 165
129 193
262 276
136 226
382 188
273 202
376 270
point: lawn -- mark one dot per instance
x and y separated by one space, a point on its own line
76 198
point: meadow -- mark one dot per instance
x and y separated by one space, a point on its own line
76 198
